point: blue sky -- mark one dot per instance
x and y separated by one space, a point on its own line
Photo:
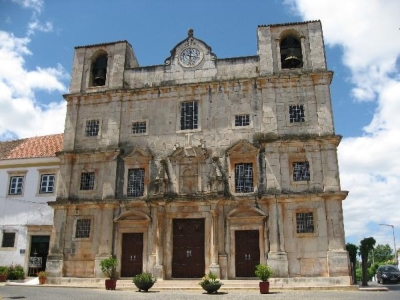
37 40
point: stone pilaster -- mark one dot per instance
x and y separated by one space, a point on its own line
337 257
277 257
214 267
106 227
158 270
55 259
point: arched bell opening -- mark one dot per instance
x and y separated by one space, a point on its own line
99 70
291 54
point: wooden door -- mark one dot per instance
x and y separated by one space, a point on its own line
132 254
247 252
188 248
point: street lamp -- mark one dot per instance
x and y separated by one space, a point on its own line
394 241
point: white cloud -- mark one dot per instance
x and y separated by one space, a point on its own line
370 164
35 5
21 114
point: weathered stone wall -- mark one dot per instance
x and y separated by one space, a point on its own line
191 173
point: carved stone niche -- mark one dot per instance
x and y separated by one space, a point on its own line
189 165
137 159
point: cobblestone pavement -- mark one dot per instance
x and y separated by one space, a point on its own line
60 293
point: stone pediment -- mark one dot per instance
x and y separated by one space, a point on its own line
187 153
191 53
132 216
137 154
242 147
246 212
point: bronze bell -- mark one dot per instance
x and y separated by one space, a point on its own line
100 77
293 57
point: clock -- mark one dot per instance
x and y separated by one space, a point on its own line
190 57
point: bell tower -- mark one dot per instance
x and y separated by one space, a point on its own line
101 66
292 47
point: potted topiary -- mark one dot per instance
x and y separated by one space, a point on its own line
42 277
3 273
264 272
109 268
144 281
210 283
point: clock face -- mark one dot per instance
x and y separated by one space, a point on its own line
190 57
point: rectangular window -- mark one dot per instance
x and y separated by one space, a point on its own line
8 240
296 113
189 115
16 185
305 222
301 171
242 120
135 182
82 228
47 183
138 127
92 128
243 178
87 181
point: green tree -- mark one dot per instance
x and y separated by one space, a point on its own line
366 245
382 253
352 249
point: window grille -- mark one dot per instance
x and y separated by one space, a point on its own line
189 115
242 120
87 181
243 178
8 240
82 228
139 127
92 128
296 113
305 222
16 185
135 182
47 183
301 171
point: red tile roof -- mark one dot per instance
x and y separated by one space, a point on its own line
40 146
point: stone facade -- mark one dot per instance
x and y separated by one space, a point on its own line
201 164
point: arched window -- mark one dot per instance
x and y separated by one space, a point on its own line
291 55
99 70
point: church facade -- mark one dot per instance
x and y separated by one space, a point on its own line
200 163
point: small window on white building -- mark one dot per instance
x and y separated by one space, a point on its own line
82 228
301 171
305 222
47 182
189 115
242 120
16 185
92 128
87 181
296 113
8 240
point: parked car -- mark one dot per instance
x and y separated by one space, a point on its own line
388 273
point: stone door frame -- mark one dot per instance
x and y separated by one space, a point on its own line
133 222
237 220
168 240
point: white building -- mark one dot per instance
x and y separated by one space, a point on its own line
28 173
